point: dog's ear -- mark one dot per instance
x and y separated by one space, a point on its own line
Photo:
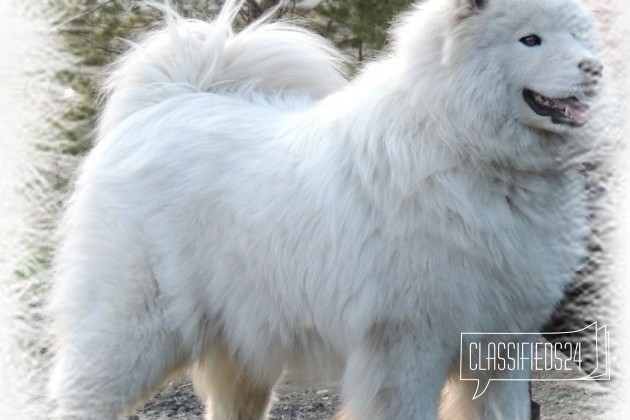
466 8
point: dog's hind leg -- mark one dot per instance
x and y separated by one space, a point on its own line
106 374
112 350
230 389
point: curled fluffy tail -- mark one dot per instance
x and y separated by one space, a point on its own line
193 56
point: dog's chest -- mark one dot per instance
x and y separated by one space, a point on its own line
516 239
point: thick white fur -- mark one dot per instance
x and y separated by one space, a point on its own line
246 208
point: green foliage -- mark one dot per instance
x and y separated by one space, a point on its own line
91 34
359 26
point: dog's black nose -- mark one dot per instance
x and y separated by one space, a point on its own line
591 67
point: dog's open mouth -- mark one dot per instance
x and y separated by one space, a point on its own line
568 111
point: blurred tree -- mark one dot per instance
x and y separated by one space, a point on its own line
359 26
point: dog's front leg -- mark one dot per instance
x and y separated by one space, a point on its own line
501 392
507 396
394 375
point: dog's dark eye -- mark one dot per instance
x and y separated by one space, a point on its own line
531 40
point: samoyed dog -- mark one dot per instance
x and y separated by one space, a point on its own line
248 210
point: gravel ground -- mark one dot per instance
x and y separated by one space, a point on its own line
573 400
293 402
562 400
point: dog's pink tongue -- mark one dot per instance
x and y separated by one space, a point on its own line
580 113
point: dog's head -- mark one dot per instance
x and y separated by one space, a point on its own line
541 54
522 68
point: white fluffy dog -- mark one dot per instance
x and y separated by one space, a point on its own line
246 209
